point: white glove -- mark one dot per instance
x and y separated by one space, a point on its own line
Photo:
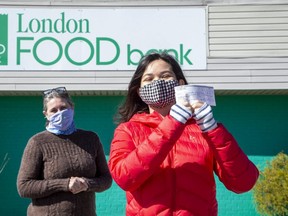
181 113
204 118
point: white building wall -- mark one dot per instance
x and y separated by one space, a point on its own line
247 51
247 47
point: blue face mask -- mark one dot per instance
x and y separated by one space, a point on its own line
61 122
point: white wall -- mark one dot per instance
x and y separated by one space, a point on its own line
247 51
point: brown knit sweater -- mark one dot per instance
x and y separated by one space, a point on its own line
49 161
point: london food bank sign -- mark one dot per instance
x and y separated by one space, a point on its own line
99 38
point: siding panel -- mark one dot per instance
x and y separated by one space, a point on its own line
248 7
244 21
254 53
251 40
277 46
264 25
259 33
246 14
244 74
249 27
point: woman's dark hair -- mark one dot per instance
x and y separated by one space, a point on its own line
133 103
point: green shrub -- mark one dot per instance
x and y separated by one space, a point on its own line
271 190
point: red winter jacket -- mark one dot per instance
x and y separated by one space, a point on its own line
166 167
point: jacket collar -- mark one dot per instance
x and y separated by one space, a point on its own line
152 120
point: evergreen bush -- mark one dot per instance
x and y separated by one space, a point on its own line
271 190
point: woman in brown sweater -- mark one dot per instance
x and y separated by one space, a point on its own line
62 167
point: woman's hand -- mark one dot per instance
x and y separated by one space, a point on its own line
193 106
77 185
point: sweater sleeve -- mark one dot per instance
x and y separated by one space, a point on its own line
30 182
232 166
131 164
103 179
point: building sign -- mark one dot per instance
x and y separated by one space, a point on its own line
99 38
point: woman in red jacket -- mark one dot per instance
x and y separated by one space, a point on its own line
164 153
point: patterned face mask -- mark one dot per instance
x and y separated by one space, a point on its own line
159 93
